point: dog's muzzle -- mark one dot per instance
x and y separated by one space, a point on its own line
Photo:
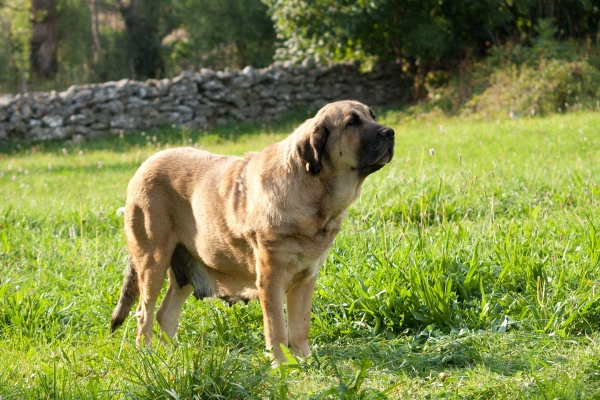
377 151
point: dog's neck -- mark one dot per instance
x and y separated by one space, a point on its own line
342 189
328 194
293 196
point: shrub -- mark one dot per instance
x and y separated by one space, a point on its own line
554 86
539 77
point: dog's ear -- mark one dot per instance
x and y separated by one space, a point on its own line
311 146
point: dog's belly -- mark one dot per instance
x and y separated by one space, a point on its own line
233 288
230 266
217 280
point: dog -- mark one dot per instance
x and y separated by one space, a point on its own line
242 228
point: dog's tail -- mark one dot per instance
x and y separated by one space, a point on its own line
129 295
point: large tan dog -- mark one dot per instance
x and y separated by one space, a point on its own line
240 228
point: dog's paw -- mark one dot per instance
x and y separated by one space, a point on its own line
120 211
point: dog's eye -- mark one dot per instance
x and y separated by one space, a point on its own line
372 114
354 120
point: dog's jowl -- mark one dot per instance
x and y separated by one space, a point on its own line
251 227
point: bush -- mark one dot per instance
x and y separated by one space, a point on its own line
540 77
552 86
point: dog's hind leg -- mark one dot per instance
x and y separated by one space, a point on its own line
186 276
150 242
152 273
170 309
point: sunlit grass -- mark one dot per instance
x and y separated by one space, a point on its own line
472 270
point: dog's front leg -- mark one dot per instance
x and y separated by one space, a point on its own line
299 301
271 293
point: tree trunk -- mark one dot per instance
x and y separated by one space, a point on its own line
44 39
11 52
142 18
97 47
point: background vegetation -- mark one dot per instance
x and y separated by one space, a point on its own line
101 40
457 55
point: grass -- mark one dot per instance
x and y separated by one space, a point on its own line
470 271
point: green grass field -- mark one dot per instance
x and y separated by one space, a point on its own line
470 273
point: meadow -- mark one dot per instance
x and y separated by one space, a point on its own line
469 268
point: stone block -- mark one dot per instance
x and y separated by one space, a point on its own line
53 121
123 121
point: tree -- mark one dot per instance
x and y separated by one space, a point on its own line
222 33
97 46
437 33
15 35
143 23
44 39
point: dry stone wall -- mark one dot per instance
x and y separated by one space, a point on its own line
192 100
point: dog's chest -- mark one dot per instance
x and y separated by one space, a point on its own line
330 227
304 267
306 263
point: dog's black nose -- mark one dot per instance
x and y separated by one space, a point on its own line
387 132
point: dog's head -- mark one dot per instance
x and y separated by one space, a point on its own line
345 136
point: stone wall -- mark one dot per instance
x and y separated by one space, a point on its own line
193 100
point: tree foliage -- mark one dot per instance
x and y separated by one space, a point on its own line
15 35
219 34
99 40
430 32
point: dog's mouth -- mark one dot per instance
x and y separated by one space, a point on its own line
376 163
387 156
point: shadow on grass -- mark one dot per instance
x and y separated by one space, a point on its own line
504 354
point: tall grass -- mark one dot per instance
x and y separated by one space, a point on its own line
470 271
